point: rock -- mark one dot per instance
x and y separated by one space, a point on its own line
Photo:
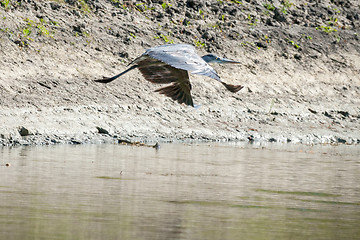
279 16
55 5
194 4
102 130
24 132
297 56
261 45
209 36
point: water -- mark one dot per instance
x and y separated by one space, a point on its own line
198 191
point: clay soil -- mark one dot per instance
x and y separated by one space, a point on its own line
300 68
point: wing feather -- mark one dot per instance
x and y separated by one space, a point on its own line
182 56
158 72
180 90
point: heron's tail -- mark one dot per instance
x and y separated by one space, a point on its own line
110 79
232 88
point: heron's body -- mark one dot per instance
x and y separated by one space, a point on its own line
171 64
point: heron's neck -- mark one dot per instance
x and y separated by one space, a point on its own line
207 59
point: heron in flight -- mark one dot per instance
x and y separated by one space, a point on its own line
171 64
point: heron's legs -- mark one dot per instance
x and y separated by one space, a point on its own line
107 80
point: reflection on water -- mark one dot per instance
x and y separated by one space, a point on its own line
204 191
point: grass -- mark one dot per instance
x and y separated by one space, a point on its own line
297 46
198 43
165 38
252 21
327 29
26 33
165 5
144 6
84 6
286 6
269 6
5 3
41 27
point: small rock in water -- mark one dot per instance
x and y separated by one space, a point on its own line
157 146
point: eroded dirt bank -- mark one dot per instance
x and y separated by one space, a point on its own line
301 65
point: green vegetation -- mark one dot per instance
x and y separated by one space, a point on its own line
306 37
336 10
27 32
252 21
145 7
337 38
165 5
332 21
232 1
248 44
165 38
5 3
201 13
269 6
40 26
286 6
132 35
198 43
30 30
297 46
84 6
327 29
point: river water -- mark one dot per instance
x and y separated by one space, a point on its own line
181 191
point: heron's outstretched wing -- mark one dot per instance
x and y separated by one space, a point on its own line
182 56
157 71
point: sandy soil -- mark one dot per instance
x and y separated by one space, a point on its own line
301 65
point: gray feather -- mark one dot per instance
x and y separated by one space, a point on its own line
182 56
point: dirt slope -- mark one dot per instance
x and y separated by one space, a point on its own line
301 65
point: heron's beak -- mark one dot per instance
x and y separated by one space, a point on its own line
225 60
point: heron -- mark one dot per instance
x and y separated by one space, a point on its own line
171 64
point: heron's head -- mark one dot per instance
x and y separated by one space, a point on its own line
213 58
